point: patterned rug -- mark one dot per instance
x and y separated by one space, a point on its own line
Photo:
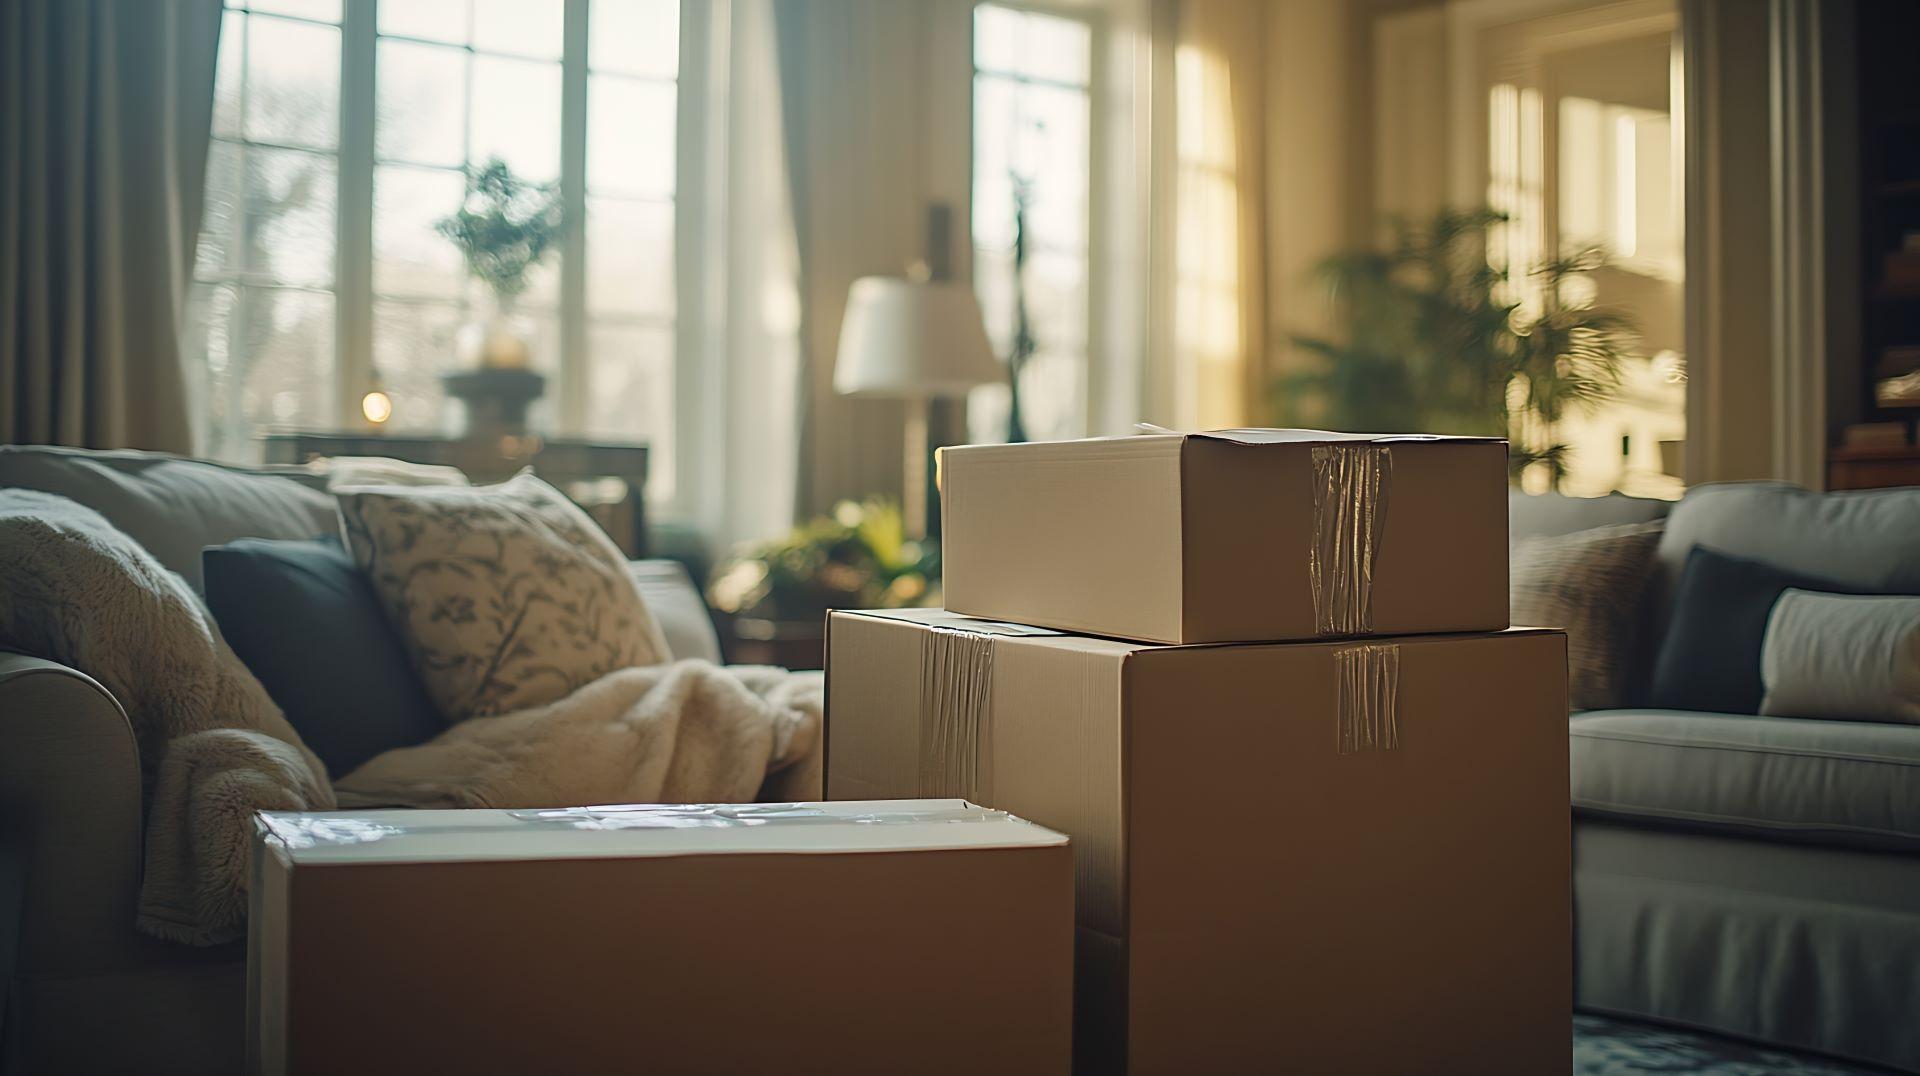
1608 1047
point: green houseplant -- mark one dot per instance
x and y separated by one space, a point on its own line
1432 340
857 558
503 228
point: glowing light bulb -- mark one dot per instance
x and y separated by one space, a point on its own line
377 406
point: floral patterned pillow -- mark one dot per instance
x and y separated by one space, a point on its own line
508 596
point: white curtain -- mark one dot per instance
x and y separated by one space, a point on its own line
105 112
748 301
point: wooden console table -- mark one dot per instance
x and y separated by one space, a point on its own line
1874 467
559 461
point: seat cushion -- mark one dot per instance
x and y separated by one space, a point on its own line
176 507
305 621
1833 782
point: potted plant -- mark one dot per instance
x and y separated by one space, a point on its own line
503 228
774 596
1434 342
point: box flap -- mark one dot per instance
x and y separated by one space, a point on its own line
642 830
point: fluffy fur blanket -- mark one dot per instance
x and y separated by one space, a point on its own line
689 732
215 748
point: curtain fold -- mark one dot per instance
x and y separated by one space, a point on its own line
105 114
1220 237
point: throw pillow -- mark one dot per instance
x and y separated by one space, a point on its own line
1591 583
301 616
507 596
1710 658
1840 656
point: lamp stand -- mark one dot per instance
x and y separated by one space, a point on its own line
913 505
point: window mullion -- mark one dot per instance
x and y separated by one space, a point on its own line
574 371
353 274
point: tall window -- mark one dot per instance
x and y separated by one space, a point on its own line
1032 94
454 83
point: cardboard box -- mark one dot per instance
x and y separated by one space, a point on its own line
1340 857
926 936
1234 536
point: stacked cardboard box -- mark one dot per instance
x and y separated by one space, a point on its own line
1316 787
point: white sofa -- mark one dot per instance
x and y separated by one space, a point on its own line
80 990
1754 876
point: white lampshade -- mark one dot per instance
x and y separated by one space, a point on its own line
913 338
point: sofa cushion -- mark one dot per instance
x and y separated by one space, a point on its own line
507 596
175 507
302 617
1867 541
1710 658
1833 782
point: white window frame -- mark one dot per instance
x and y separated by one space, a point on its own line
353 291
1094 387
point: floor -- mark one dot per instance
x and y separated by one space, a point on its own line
1607 1047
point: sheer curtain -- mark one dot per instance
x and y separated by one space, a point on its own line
748 300
105 111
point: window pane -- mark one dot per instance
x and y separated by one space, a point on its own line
630 137
521 27
409 257
422 115
1057 300
323 10
413 344
630 392
1032 45
270 364
288 201
630 257
220 215
429 20
993 116
635 37
293 82
1052 145
516 116
226 79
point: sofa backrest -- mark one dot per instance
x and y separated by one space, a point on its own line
174 506
1867 540
1543 515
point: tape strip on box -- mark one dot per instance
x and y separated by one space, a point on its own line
1349 514
956 682
1367 706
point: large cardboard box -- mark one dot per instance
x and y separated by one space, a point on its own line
1234 536
1341 857
930 936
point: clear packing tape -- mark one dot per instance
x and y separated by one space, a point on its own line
1349 514
1367 698
956 685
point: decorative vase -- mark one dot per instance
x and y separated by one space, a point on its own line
495 381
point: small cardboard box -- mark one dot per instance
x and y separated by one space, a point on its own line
1233 536
775 938
1308 857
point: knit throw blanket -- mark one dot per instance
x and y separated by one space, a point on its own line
215 749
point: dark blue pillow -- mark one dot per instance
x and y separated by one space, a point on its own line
1710 658
302 617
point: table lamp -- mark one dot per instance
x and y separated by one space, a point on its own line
914 340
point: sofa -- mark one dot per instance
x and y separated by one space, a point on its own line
80 990
1753 876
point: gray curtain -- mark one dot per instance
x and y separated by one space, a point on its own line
105 111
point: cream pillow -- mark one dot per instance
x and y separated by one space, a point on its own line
508 596
1844 656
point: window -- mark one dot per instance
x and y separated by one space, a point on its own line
1032 94
454 83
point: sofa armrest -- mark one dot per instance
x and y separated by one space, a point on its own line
70 822
677 605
